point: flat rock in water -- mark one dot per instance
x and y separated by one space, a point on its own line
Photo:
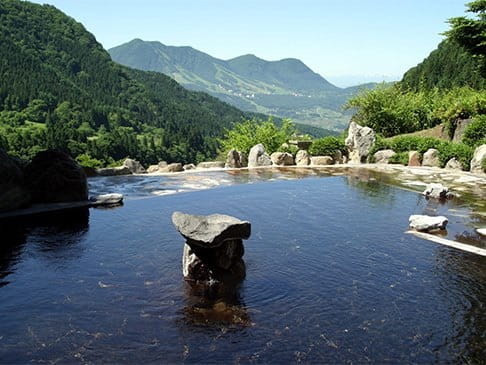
108 199
481 231
425 223
212 230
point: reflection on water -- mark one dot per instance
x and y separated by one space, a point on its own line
331 278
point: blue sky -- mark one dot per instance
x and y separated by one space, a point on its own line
346 41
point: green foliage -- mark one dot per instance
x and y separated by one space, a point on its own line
471 32
403 144
88 161
391 110
400 158
327 146
54 73
289 148
243 136
483 165
446 67
475 133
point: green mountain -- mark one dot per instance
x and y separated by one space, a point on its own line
59 88
285 88
446 67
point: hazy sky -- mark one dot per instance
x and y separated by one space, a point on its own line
346 41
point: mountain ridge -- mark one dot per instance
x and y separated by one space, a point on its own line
285 88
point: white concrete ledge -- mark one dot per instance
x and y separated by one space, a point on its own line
449 243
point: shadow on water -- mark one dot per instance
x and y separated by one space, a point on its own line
57 235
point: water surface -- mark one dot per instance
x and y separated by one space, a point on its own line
331 277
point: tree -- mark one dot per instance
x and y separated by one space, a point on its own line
471 32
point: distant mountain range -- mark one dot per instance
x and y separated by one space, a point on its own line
285 88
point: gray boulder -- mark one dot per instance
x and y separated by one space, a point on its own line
210 165
114 171
453 164
189 166
13 195
282 159
431 158
302 158
134 166
427 223
53 177
173 167
338 157
236 159
153 168
321 160
258 157
360 140
383 156
210 231
437 191
478 159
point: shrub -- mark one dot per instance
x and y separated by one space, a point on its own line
461 152
475 133
88 161
327 146
246 134
401 158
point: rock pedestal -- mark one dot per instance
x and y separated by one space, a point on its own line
214 247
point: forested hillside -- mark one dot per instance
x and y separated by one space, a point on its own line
446 67
60 89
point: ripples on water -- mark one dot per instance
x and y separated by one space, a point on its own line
331 277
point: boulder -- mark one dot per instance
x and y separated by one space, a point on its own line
13 195
321 160
53 177
461 125
162 164
302 158
282 159
210 165
338 157
153 168
173 167
431 158
236 159
90 171
360 140
114 171
189 166
214 247
478 159
383 156
453 164
108 199
258 157
481 231
134 166
427 223
414 158
210 231
437 191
